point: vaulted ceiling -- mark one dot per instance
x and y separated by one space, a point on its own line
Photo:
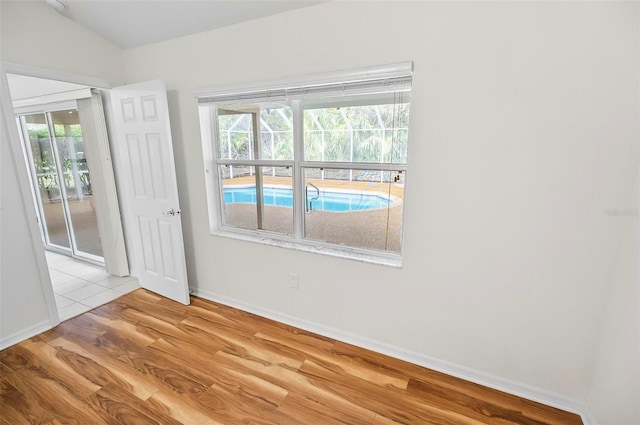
135 23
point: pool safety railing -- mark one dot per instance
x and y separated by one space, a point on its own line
309 201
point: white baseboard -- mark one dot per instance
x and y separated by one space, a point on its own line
462 372
8 341
587 418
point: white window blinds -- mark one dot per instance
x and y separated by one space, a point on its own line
391 78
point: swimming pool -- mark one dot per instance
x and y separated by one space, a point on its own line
327 201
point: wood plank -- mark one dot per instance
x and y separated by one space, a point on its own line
15 408
296 383
245 347
108 369
234 381
15 358
46 357
548 414
143 359
454 386
324 410
237 407
181 408
387 401
123 328
377 375
114 405
148 304
484 410
177 376
56 401
78 325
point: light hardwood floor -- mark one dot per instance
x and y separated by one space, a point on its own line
142 359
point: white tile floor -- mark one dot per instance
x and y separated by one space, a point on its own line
79 286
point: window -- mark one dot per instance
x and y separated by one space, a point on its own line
320 164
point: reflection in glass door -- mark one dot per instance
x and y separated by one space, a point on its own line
62 183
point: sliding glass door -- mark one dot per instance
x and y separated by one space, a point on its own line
62 182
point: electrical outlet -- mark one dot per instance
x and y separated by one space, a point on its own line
294 280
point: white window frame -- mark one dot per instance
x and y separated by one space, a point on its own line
293 90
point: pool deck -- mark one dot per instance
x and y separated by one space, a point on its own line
379 229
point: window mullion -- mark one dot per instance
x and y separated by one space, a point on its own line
298 175
258 170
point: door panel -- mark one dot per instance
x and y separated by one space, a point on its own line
77 181
154 147
143 145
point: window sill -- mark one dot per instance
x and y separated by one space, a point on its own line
265 238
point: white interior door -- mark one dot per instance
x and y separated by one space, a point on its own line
145 152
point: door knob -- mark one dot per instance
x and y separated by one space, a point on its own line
171 212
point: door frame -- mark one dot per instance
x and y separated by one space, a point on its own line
15 147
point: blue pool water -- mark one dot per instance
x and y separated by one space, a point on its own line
327 201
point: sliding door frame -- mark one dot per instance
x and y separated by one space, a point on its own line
37 196
73 249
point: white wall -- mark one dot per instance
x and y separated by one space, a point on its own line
615 390
524 129
23 309
36 35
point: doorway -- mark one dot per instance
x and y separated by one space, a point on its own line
61 179
137 119
66 154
